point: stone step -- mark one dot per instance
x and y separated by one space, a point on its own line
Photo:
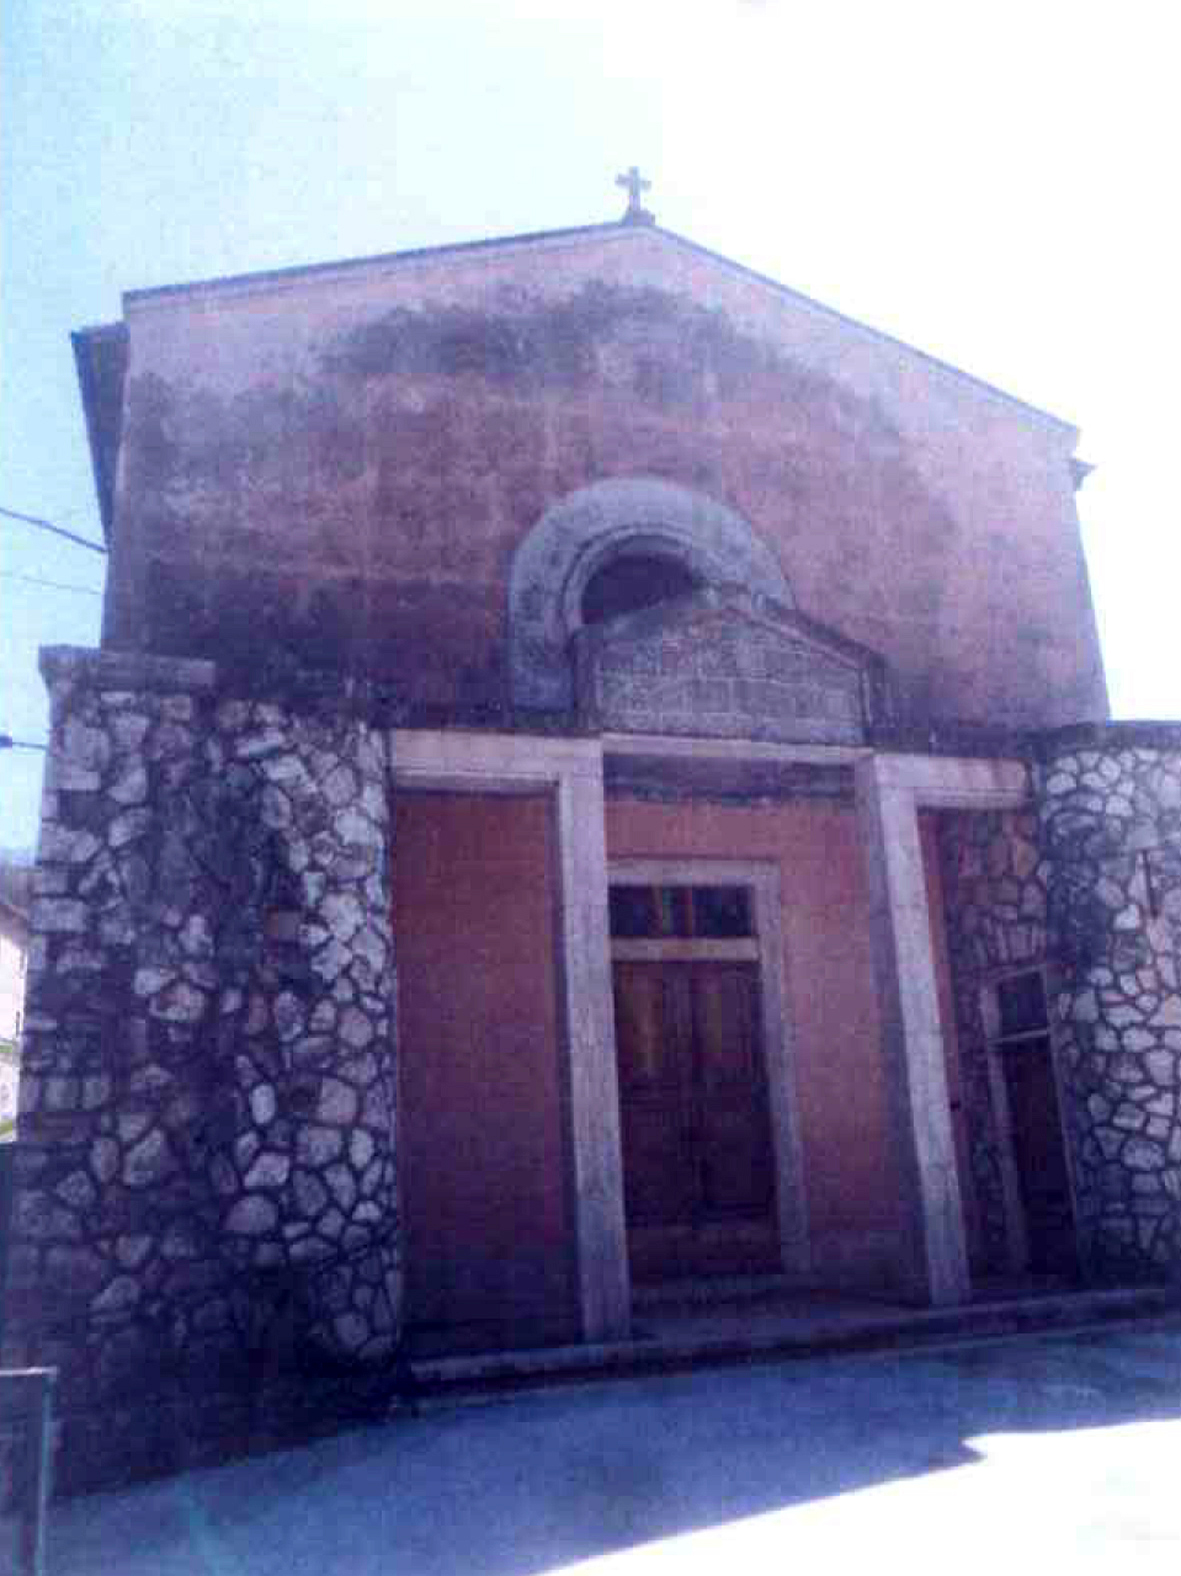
734 1336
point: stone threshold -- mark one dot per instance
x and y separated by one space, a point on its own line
668 1340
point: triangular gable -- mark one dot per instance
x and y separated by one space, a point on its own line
723 664
692 266
618 253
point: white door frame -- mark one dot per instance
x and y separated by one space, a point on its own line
761 877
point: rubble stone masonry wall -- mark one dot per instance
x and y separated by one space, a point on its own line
995 897
1110 813
1088 883
206 1185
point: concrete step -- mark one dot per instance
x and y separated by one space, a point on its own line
745 1332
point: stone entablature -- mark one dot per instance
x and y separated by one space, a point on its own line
723 664
207 1175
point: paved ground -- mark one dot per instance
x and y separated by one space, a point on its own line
1062 1448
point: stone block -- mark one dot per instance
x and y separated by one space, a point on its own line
253 1216
180 1002
82 746
352 827
338 1102
263 741
269 1170
149 1161
128 826
120 1296
149 981
316 1146
130 787
129 731
64 916
1141 1154
263 1104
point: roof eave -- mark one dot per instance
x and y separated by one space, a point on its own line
102 426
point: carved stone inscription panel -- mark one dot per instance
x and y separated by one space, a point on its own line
722 676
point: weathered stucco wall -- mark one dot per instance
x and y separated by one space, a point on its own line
342 463
206 1188
484 1164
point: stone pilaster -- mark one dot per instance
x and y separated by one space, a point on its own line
888 794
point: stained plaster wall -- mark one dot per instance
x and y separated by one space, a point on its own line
484 1166
206 1188
342 462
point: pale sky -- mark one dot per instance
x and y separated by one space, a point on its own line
996 185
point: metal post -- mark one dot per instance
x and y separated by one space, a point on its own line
34 1466
8 1154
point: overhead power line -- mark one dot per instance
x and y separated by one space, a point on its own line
54 585
58 530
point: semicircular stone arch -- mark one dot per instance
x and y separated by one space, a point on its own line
582 532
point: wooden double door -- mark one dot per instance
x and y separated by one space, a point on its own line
698 1158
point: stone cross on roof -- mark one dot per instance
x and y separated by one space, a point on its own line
635 184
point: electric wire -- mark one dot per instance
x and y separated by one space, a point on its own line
54 585
58 530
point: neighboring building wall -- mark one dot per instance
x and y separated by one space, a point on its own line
1110 808
206 1185
9 1087
994 903
14 948
484 1163
341 463
833 1031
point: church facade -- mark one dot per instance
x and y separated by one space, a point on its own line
597 775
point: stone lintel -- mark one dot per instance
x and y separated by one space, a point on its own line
954 783
1142 734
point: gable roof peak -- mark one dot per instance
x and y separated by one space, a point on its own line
636 226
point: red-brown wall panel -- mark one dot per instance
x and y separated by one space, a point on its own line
482 1126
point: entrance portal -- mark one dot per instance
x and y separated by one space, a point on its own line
698 1158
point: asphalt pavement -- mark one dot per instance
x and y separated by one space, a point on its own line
1060 1451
